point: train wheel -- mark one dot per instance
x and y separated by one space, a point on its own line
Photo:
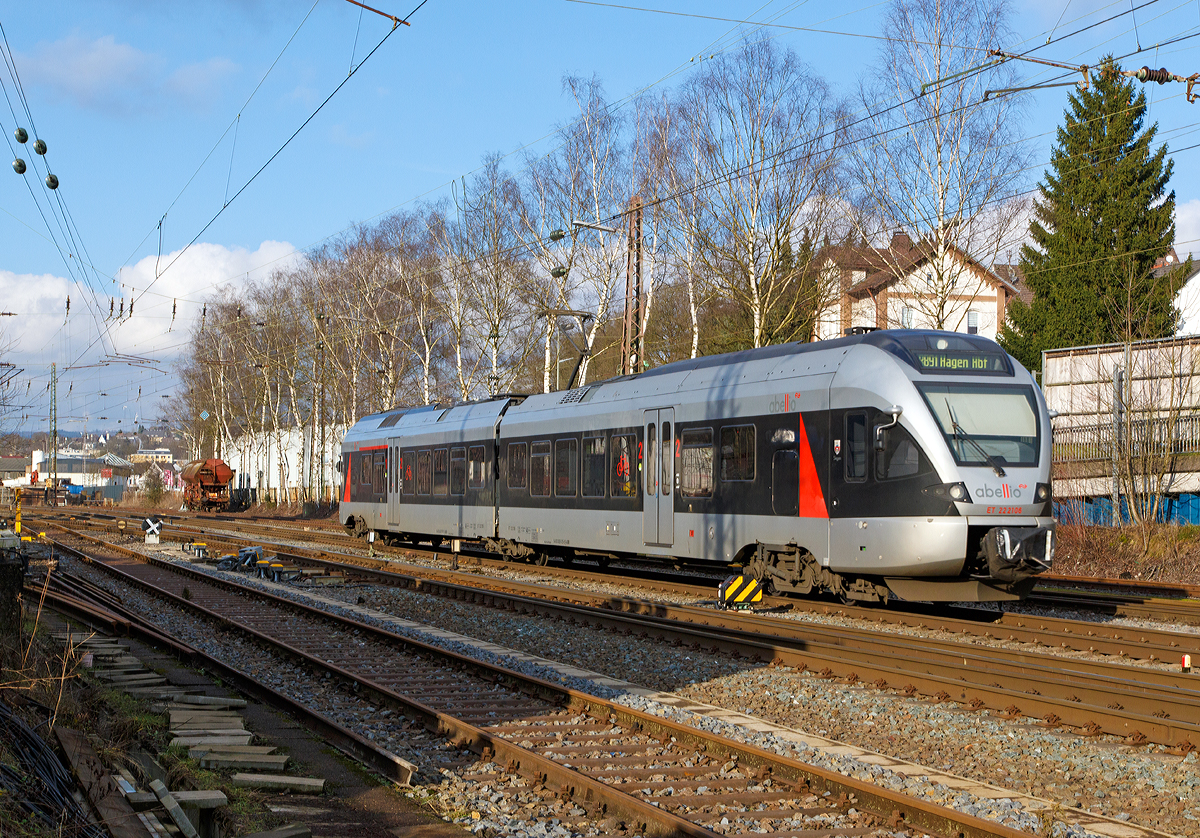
541 559
360 527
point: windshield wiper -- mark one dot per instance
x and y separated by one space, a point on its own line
960 433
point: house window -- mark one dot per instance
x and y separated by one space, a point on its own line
906 318
972 322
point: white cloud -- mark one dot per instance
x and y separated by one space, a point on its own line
40 303
102 74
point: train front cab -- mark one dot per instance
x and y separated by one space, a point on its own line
947 498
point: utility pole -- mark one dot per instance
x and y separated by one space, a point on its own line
1118 420
321 411
631 325
54 433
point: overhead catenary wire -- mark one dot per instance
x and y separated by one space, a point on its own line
619 103
260 170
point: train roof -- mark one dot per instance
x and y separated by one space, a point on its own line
784 360
405 421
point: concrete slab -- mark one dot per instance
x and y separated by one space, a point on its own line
278 782
197 741
212 701
247 762
141 801
246 750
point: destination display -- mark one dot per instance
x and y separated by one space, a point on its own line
949 360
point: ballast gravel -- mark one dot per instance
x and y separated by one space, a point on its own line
1142 784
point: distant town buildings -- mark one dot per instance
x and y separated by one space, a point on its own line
108 472
153 455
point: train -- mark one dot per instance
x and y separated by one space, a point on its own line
206 484
905 463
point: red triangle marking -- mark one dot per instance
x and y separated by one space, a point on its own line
812 499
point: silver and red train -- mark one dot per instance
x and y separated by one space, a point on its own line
907 462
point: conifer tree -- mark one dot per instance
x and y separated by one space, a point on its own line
1103 218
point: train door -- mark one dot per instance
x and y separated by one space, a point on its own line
658 477
394 482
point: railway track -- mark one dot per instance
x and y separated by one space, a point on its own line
1163 602
640 773
1092 696
1057 633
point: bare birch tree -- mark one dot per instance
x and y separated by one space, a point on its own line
933 158
584 179
765 129
486 240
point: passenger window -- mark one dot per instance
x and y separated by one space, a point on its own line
667 459
737 453
566 467
378 484
593 466
624 482
651 469
364 469
518 465
900 456
458 471
424 472
441 471
856 447
477 465
696 463
539 469
407 484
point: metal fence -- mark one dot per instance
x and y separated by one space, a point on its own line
1158 436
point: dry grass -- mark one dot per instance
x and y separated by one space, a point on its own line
1159 552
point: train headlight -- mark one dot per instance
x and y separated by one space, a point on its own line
1042 493
953 491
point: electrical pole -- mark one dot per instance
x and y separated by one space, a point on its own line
631 326
54 433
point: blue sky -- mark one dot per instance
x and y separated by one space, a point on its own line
132 95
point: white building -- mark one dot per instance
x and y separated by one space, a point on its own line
112 474
287 462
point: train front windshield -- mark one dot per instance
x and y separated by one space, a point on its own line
986 420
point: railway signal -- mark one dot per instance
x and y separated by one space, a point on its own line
153 528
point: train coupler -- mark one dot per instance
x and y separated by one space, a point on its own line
739 592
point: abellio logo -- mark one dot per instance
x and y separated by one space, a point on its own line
1005 491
